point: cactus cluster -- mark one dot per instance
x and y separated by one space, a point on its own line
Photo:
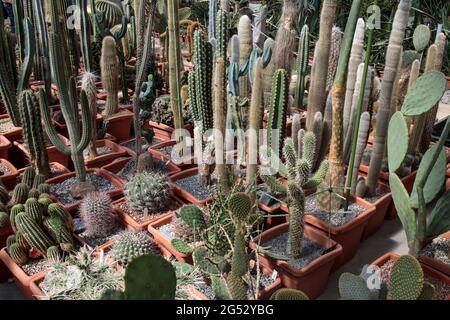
162 111
148 191
132 244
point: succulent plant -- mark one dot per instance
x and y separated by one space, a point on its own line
288 294
20 194
33 233
162 112
147 191
17 253
34 209
96 213
4 220
130 245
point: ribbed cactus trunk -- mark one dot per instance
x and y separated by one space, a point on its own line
255 120
174 59
363 133
32 132
393 55
317 94
335 50
302 65
85 35
356 57
88 85
245 49
335 180
109 66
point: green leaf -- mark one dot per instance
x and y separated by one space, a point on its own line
424 93
401 201
397 141
435 180
439 219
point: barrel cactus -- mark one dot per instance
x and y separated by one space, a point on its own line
147 191
132 244
96 213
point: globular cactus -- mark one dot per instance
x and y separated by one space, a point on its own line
335 50
4 195
96 213
288 294
16 209
34 209
10 240
17 253
130 245
20 194
162 112
276 126
45 201
302 65
32 232
53 254
32 132
298 171
59 231
147 191
4 220
421 37
109 65
44 188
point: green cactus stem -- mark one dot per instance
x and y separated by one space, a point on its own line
302 65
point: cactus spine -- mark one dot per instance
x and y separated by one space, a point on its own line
245 49
33 233
336 41
302 65
317 88
109 65
393 55
32 132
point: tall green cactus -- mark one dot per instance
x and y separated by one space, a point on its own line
13 81
85 35
69 107
317 89
33 233
276 125
32 132
393 55
302 65
109 66
298 171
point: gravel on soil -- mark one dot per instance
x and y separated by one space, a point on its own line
277 197
442 290
100 151
378 195
127 172
192 185
34 266
144 145
166 150
4 169
438 249
336 219
141 217
94 242
62 190
6 125
310 250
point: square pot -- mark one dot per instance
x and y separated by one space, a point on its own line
5 144
10 179
120 125
104 159
348 235
184 163
311 279
164 132
14 134
184 194
434 263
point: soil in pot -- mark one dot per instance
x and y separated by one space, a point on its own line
131 144
141 217
6 126
335 219
35 266
62 190
438 249
4 169
100 152
129 169
95 242
442 290
192 185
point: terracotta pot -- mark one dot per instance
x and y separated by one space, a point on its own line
4 234
434 263
23 281
175 204
114 194
5 144
311 279
165 243
381 208
172 167
349 235
164 132
120 125
35 289
62 127
101 94
185 163
101 160
58 167
54 155
14 134
184 194
10 179
426 269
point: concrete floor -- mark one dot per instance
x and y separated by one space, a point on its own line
389 238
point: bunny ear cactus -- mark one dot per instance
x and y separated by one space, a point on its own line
421 37
406 279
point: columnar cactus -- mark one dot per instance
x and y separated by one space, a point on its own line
32 132
360 147
212 16
88 85
302 65
298 171
85 35
245 49
109 65
276 126
96 213
335 50
221 34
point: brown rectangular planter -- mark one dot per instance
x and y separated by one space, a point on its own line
311 279
349 235
119 125
12 135
426 269
184 194
4 234
434 263
116 152
23 281
54 155
9 179
164 132
165 243
5 144
57 167
382 206
133 224
187 162
114 194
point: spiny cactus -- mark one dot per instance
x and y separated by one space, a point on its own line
59 232
421 37
53 254
288 294
16 209
44 188
4 195
302 65
34 209
162 112
360 147
245 49
20 194
4 220
276 125
88 85
131 244
96 213
193 217
28 177
57 210
147 191
32 132
109 65
298 171
335 50
17 253
33 233
38 180
406 279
